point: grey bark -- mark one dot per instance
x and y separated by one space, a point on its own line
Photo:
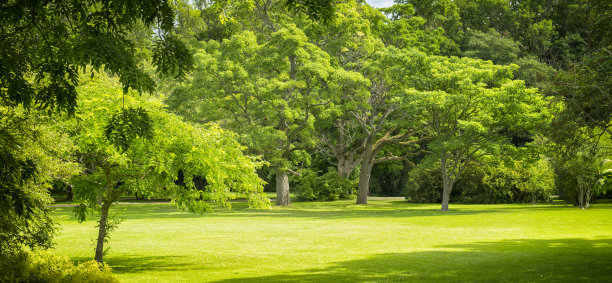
448 181
344 167
102 231
366 172
282 187
446 195
580 198
587 198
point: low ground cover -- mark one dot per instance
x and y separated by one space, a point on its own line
387 240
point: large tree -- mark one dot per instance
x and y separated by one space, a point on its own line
388 113
268 93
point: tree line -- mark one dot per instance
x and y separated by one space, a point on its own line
201 101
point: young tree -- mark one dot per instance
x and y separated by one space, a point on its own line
147 155
43 44
470 104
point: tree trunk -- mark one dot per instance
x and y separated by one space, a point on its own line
282 187
388 188
580 197
447 184
587 197
448 187
102 231
344 169
69 194
364 176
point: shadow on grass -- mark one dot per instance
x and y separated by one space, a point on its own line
560 260
138 264
321 210
388 209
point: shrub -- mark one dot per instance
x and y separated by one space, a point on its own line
424 186
44 266
517 182
327 187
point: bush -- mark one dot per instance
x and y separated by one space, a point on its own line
44 266
424 186
327 187
518 182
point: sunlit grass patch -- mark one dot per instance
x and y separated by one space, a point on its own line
387 240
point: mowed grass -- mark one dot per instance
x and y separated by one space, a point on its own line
387 240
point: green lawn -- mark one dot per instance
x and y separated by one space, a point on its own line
339 241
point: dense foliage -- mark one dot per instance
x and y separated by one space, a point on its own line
488 101
384 92
159 157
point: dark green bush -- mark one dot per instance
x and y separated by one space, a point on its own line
424 186
493 183
327 187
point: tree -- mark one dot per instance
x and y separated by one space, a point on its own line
439 16
585 90
492 46
580 133
388 113
604 183
469 104
35 153
151 157
339 139
583 169
43 45
268 93
48 41
349 42
577 155
405 30
368 108
538 180
484 14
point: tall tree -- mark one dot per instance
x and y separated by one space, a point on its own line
388 113
268 93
